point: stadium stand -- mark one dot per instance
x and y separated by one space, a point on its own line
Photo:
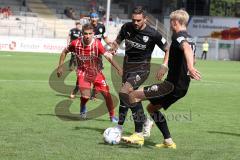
47 18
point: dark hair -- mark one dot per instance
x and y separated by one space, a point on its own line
139 10
87 26
77 23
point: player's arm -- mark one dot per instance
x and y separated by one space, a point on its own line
164 66
68 39
162 44
61 61
116 43
109 57
107 40
188 53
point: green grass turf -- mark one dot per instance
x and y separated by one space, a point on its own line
204 124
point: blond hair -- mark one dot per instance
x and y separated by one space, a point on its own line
181 16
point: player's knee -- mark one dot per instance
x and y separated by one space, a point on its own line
151 109
124 97
126 88
132 98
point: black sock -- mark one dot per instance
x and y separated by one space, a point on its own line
138 116
122 113
161 123
75 90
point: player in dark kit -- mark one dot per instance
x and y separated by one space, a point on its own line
140 40
175 86
74 34
99 29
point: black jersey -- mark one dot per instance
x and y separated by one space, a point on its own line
140 43
74 34
99 31
178 71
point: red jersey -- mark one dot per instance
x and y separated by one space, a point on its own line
87 55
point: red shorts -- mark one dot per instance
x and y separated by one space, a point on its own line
99 82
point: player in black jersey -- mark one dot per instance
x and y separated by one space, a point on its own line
74 33
140 40
175 86
99 29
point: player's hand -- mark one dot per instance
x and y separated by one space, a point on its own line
111 51
194 74
161 72
59 71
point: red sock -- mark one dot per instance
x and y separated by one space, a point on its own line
109 103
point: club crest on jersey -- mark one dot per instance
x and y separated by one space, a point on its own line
100 30
145 38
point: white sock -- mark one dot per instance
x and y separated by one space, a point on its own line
168 141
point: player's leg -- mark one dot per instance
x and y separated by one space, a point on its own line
137 114
74 91
85 91
100 85
149 92
161 123
202 55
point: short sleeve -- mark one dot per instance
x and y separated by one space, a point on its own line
121 34
101 49
71 46
180 39
160 41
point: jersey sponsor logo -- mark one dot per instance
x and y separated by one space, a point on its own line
84 58
76 34
135 44
145 38
98 36
128 33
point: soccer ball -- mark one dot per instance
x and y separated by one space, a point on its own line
112 135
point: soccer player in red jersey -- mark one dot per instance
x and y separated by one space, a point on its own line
89 68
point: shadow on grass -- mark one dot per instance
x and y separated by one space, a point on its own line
74 117
100 130
225 133
147 144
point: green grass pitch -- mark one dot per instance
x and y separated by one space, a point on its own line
205 124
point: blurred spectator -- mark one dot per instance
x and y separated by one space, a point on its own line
24 3
101 10
70 12
5 13
93 4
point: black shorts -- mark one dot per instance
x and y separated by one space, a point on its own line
136 76
163 94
